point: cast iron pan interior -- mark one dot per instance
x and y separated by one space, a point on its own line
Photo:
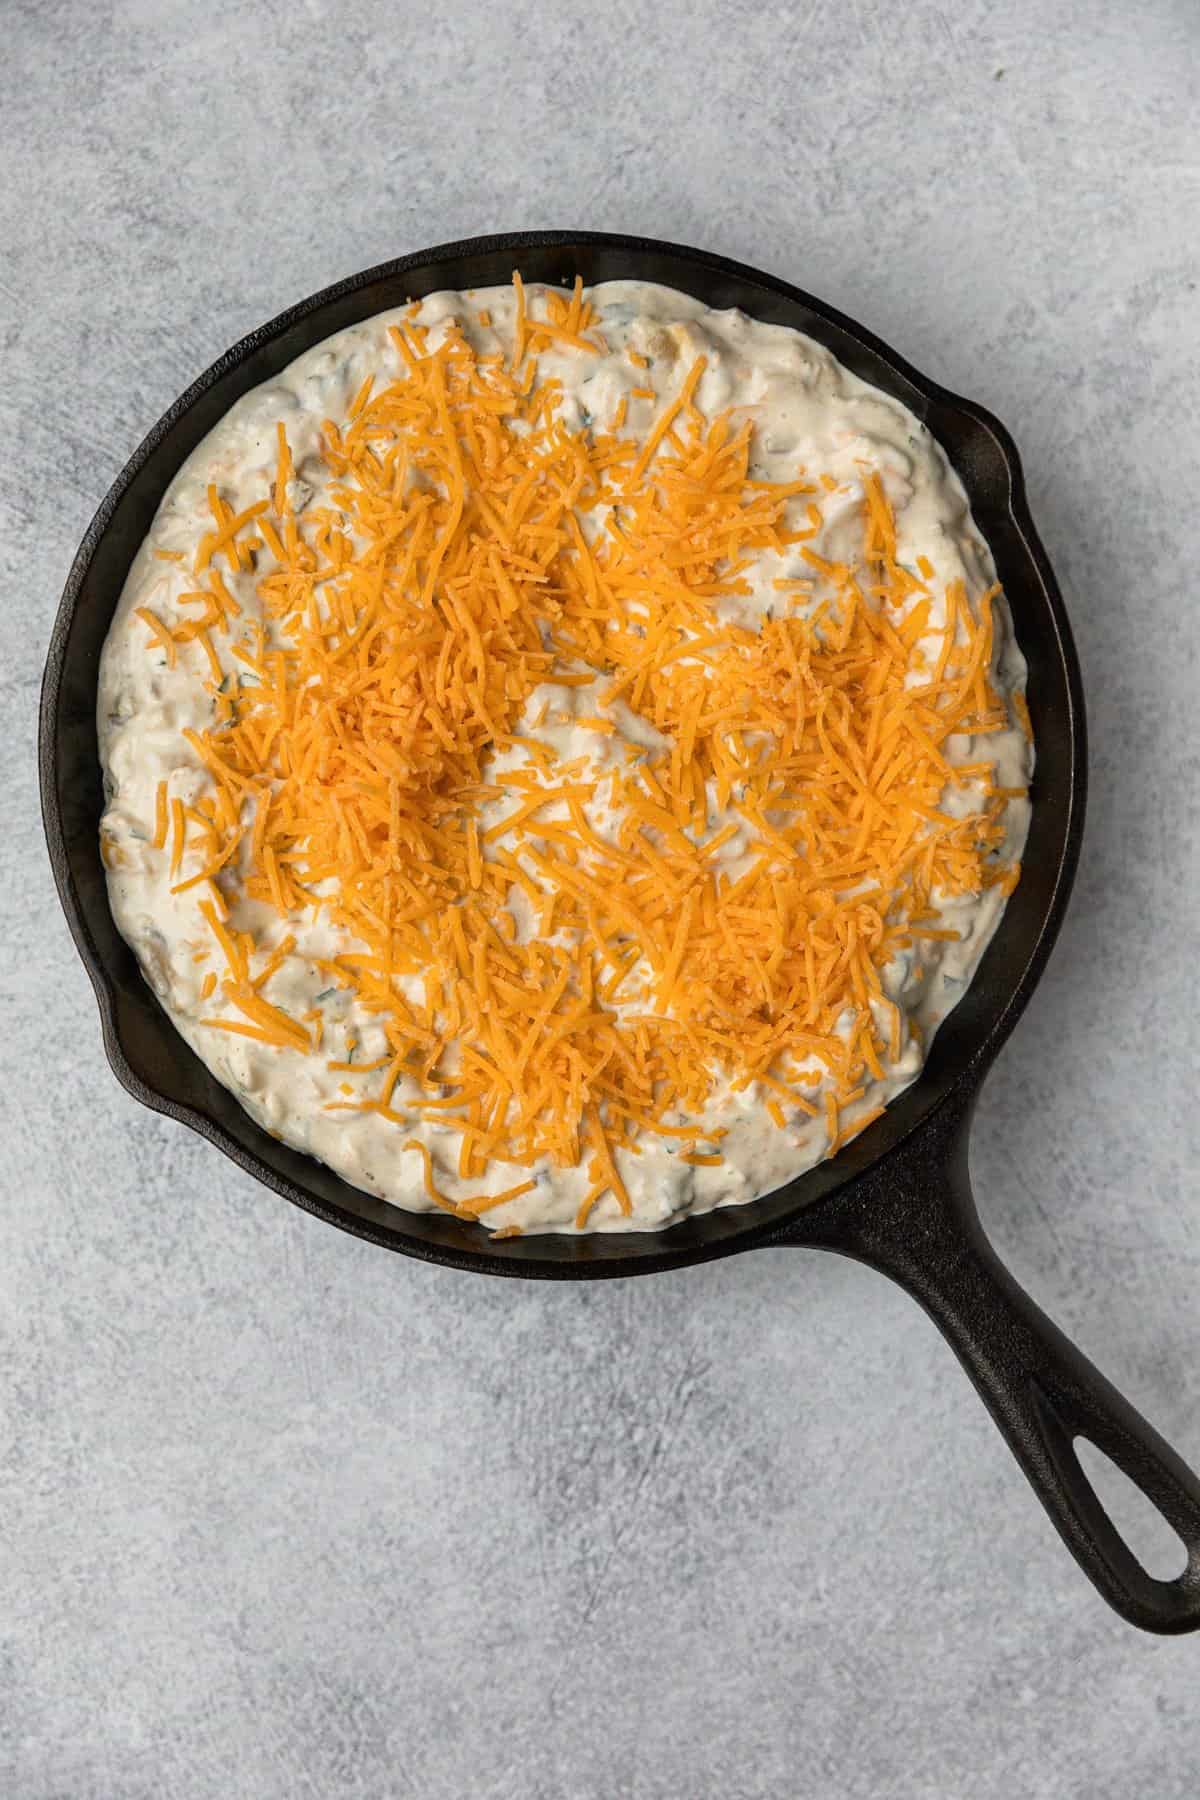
898 1196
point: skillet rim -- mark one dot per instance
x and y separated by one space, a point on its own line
558 1255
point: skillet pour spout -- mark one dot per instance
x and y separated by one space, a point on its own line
898 1196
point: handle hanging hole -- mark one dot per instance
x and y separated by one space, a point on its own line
1156 1544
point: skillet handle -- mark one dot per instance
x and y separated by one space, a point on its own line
914 1218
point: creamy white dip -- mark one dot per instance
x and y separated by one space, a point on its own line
808 412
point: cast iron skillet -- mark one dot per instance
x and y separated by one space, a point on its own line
898 1197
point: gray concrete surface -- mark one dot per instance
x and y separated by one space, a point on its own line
280 1515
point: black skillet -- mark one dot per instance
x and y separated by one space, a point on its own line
899 1197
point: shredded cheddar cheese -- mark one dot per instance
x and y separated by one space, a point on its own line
475 548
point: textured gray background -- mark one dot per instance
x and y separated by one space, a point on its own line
281 1515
